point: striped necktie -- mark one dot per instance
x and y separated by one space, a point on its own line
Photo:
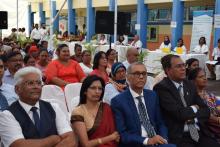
192 128
145 119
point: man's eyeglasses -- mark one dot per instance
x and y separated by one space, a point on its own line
139 74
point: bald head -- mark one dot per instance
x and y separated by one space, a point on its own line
136 37
132 55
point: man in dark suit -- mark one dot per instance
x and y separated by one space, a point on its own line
184 112
137 113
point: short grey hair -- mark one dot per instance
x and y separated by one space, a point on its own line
133 64
19 75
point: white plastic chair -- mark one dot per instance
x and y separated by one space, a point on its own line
217 72
73 103
71 91
53 93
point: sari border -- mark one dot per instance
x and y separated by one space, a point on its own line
97 121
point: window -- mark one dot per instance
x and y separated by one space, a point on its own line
133 22
152 33
152 14
197 8
164 14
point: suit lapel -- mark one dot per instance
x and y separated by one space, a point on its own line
173 90
186 94
133 108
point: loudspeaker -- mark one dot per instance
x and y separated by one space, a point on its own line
3 20
104 22
124 23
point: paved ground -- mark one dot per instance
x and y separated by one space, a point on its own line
214 87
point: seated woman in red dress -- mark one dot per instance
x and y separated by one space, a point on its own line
100 65
93 120
63 70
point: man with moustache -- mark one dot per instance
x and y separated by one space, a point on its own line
14 62
7 92
30 121
184 112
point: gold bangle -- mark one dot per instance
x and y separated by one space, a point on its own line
99 141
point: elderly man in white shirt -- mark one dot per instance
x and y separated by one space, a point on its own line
136 43
31 121
43 32
132 56
35 34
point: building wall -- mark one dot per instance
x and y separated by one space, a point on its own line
130 6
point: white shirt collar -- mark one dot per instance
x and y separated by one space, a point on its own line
134 94
177 84
28 107
7 73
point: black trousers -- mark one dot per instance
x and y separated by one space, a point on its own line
204 141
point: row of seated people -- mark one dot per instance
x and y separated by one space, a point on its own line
63 71
134 118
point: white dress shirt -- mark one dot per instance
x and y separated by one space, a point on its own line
35 34
9 92
201 49
137 44
216 53
8 78
11 131
43 33
135 95
110 92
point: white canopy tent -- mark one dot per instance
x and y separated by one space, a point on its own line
11 7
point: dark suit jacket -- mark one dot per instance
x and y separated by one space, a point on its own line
127 118
173 111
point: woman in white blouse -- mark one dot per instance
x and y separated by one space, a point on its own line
215 57
102 41
166 43
202 48
86 64
180 44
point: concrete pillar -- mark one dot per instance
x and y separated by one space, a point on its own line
177 19
90 22
71 17
142 21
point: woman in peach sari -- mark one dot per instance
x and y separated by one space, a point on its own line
93 120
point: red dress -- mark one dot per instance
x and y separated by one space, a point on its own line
72 72
98 73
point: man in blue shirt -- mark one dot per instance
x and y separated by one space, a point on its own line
7 92
14 63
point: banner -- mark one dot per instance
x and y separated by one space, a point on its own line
202 27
